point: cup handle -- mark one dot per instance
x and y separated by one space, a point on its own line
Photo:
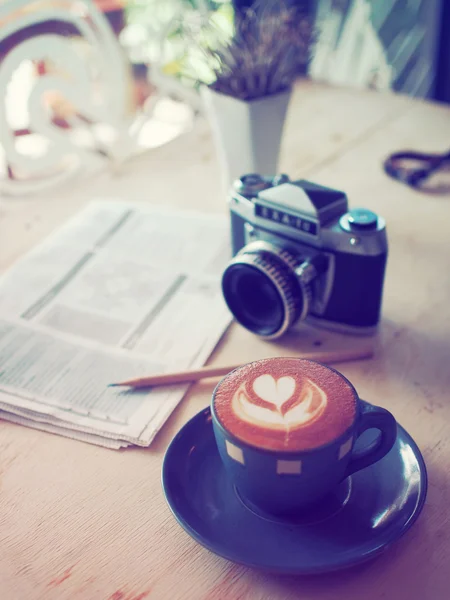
373 417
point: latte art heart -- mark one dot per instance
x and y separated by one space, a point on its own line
275 391
279 403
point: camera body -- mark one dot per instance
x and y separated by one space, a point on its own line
303 239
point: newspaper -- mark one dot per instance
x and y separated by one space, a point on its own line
122 291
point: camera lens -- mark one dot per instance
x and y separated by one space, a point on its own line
263 290
253 299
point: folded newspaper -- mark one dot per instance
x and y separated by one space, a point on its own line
121 291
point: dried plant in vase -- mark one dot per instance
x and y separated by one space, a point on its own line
270 48
247 80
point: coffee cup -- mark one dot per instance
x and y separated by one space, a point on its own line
286 430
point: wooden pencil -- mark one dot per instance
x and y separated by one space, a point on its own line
330 356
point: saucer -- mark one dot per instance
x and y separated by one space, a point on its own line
369 511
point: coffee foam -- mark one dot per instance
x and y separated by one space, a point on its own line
285 404
266 403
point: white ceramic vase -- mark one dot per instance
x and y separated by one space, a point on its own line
247 134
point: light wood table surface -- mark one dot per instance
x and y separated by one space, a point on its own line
81 522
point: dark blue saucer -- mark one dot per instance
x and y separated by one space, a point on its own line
356 522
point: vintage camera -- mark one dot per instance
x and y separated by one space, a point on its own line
299 253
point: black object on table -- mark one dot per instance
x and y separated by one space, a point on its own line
414 168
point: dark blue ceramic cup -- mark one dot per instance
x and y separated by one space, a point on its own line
279 481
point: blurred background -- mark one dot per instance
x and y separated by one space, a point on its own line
400 44
117 77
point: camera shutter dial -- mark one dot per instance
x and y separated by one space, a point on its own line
360 219
251 184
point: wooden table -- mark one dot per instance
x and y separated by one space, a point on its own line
80 522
